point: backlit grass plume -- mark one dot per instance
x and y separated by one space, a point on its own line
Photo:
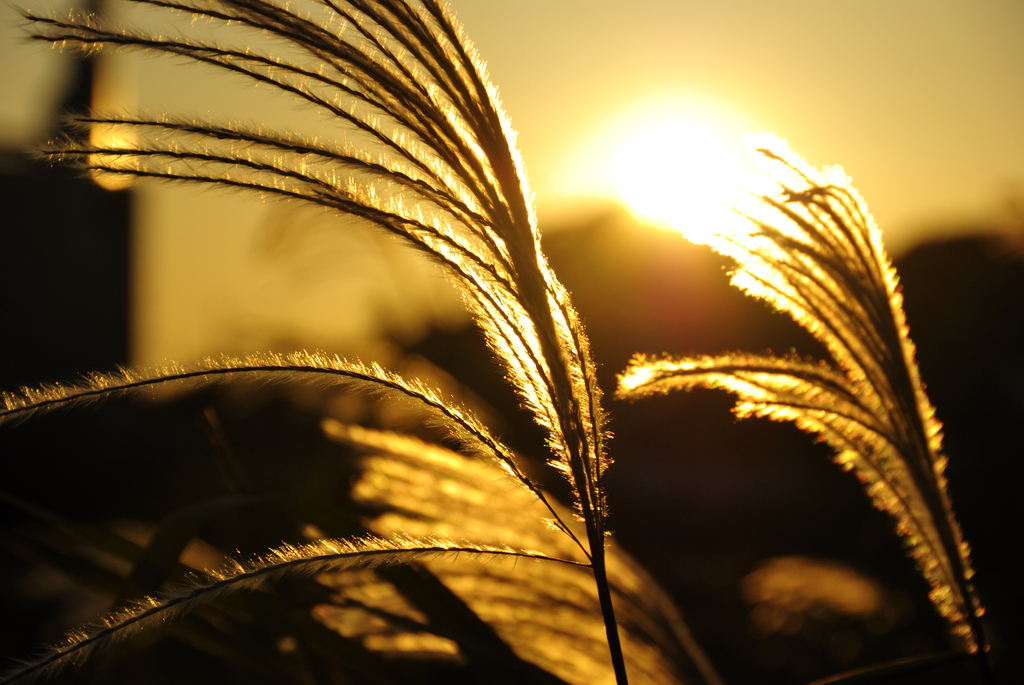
548 613
809 248
439 171
290 561
435 166
462 427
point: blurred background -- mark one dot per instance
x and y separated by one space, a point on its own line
920 102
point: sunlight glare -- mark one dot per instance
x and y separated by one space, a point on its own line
679 173
673 160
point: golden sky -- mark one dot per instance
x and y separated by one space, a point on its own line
921 101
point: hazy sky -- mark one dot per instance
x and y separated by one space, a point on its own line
921 101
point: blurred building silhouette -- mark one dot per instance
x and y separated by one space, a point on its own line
65 265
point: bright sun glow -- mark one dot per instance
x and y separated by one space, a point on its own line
677 172
670 161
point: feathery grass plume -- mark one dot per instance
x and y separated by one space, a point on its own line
313 368
286 562
550 615
441 171
438 170
809 248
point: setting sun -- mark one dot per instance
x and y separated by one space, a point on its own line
677 172
670 161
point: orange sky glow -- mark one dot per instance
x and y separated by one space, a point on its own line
920 102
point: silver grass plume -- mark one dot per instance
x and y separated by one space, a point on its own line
548 613
809 247
439 171
460 426
316 369
307 560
